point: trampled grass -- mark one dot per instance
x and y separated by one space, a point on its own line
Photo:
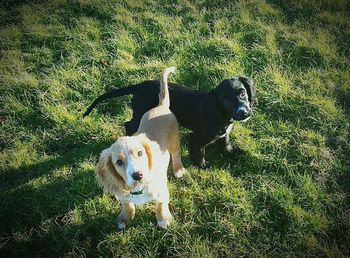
288 195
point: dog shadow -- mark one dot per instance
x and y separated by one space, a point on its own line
39 201
239 163
14 177
49 204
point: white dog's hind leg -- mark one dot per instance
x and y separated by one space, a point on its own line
175 151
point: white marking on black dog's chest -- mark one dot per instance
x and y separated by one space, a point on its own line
227 130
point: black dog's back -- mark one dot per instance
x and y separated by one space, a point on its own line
187 105
182 101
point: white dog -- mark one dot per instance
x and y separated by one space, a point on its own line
134 169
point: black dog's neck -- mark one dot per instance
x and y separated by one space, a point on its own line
224 117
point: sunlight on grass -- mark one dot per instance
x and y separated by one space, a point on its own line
327 108
285 195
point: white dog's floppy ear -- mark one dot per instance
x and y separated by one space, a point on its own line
152 150
107 176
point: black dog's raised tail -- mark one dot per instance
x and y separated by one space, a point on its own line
111 94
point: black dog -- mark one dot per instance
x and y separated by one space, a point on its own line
209 115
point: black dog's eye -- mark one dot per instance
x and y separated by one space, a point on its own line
139 153
242 94
119 162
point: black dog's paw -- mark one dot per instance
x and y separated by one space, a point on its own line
228 150
206 166
233 152
202 164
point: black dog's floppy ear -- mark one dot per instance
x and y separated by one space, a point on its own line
251 89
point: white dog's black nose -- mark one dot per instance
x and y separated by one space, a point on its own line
137 176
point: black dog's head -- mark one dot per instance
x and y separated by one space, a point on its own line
236 97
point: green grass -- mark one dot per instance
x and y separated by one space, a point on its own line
287 196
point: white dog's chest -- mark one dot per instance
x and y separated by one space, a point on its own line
145 197
141 198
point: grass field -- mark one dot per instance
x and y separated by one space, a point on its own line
288 195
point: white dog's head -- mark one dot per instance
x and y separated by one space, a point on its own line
127 164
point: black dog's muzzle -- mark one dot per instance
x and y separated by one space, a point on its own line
242 113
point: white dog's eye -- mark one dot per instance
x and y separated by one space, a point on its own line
242 94
139 153
119 162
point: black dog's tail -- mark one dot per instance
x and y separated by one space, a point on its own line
111 94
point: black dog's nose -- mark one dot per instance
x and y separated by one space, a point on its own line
242 112
137 176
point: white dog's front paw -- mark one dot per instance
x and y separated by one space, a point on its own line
121 225
180 172
165 223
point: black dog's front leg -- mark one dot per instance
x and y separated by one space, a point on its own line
227 149
197 149
224 145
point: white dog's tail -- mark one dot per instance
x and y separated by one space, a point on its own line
164 99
